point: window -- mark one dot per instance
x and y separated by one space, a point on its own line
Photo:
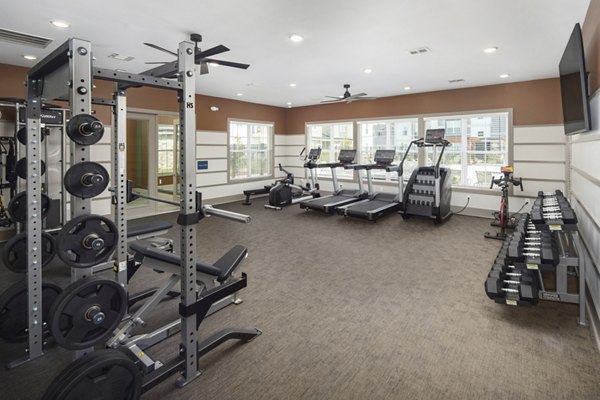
250 146
386 135
331 138
166 149
479 146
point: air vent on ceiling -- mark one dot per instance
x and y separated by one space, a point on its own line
456 80
420 50
24 39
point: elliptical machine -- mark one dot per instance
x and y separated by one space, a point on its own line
502 218
286 193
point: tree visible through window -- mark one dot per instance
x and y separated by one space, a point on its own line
249 149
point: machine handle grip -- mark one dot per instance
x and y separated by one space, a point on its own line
207 209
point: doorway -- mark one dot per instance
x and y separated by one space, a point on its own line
151 154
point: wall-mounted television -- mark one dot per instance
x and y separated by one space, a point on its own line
573 86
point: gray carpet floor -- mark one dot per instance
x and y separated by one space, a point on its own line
352 309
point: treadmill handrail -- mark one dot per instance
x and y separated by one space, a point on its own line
370 166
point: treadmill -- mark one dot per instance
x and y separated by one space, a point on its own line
340 197
378 204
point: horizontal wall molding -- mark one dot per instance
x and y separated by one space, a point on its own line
531 170
537 144
542 180
539 134
218 151
588 215
539 162
587 176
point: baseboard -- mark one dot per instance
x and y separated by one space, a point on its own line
228 199
473 212
594 320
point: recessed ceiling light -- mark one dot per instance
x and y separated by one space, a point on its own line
214 108
292 85
490 50
289 103
289 106
296 38
503 76
239 94
29 57
60 24
407 88
368 71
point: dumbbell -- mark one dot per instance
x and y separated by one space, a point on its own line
524 291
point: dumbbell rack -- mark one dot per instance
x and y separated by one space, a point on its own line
538 248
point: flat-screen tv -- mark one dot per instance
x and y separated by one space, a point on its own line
573 86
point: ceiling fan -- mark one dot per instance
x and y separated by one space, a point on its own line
201 58
347 97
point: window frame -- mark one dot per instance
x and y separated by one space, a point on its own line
270 151
421 133
308 140
464 152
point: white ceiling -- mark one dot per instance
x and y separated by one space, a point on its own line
342 38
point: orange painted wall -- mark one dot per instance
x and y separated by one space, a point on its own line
591 44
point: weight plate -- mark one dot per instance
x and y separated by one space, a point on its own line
109 374
14 252
21 168
22 135
17 206
87 240
86 179
13 310
87 312
85 129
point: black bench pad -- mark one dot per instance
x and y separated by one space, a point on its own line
150 227
221 269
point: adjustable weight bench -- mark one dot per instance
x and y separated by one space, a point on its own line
150 229
209 278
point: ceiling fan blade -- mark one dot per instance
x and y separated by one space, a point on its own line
331 101
227 63
211 52
335 97
160 48
203 68
359 94
157 62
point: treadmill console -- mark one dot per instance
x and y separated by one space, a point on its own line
384 156
347 156
435 136
314 154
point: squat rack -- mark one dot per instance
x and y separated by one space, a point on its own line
68 73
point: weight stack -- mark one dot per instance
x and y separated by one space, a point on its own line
419 195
